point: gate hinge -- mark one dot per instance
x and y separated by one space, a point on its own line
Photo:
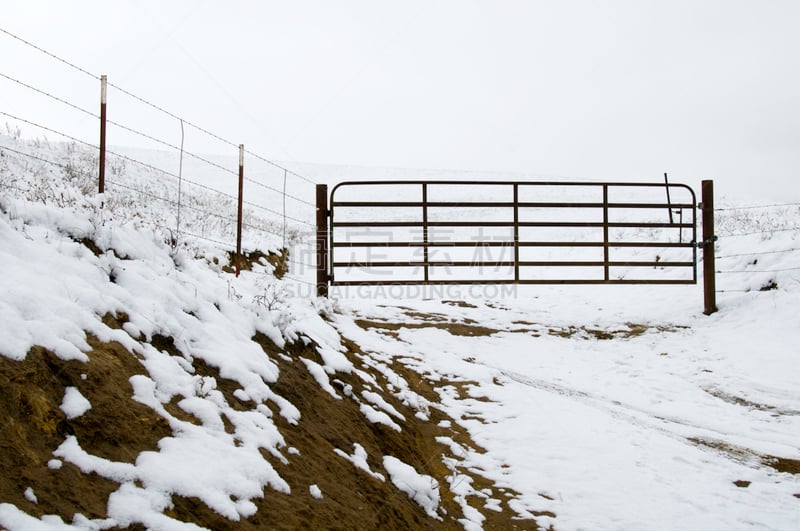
703 243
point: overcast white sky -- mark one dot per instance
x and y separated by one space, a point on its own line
599 90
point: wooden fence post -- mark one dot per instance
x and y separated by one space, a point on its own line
709 239
322 240
102 161
239 212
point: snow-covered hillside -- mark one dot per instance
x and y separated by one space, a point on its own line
145 385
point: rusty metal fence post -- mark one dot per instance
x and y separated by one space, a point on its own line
239 212
709 239
516 232
425 250
322 240
102 161
606 250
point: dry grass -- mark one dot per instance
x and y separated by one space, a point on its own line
119 428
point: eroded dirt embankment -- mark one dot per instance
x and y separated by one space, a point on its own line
119 428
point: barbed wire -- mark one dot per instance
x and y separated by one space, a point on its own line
736 291
144 164
750 207
149 103
194 208
758 253
290 172
120 155
15 187
54 56
32 156
205 131
761 270
224 244
170 201
65 135
267 209
214 164
300 280
290 196
172 146
51 96
769 231
167 173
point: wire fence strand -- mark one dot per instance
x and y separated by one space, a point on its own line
54 56
761 270
51 96
758 253
769 231
751 207
149 103
115 182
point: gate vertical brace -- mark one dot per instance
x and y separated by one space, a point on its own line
516 232
669 201
709 239
102 159
605 233
239 212
425 230
322 240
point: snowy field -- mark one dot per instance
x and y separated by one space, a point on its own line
599 407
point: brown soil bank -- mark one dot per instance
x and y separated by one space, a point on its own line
119 428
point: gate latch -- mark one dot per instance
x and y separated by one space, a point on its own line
709 241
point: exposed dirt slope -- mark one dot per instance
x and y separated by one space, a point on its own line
119 428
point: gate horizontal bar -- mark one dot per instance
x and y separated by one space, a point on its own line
554 224
503 204
593 184
511 243
504 281
510 263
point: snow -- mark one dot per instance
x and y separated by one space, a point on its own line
74 404
648 429
421 488
30 495
378 417
604 433
359 459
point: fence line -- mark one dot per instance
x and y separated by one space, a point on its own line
758 253
121 156
51 96
54 56
152 195
152 138
157 140
140 191
762 270
271 211
290 196
65 135
148 103
762 219
751 207
768 231
30 155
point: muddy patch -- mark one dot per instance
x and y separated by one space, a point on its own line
746 455
749 404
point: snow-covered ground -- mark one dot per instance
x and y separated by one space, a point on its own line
600 407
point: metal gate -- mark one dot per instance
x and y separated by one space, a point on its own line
489 232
